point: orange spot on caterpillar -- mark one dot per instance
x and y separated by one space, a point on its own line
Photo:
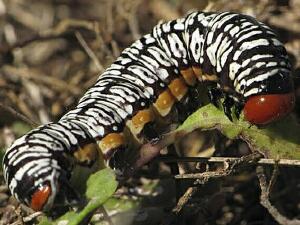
178 88
87 154
111 141
164 102
198 73
40 197
142 117
203 76
263 109
189 76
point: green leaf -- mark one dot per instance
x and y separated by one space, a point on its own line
100 187
121 204
277 140
45 221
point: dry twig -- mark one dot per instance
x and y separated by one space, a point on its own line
20 216
58 84
163 10
274 176
262 161
18 115
63 27
8 136
130 16
229 166
184 199
37 99
27 219
265 201
89 51
201 178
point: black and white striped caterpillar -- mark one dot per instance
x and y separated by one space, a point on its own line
148 89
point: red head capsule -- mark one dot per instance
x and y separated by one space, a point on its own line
263 109
40 198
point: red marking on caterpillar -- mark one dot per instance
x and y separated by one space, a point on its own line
40 197
263 109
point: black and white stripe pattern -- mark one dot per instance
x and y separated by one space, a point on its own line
243 53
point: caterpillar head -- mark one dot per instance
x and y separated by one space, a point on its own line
29 174
36 169
37 195
274 99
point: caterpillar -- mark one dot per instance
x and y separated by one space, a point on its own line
150 89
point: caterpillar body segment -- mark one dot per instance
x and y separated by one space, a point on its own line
149 90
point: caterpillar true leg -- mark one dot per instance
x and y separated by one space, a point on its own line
214 95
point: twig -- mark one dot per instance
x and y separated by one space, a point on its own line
202 178
174 216
229 166
274 176
3 188
89 51
115 48
55 32
281 162
109 18
37 99
130 16
28 219
8 136
19 115
20 216
184 199
264 200
133 24
163 10
37 75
